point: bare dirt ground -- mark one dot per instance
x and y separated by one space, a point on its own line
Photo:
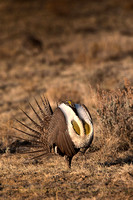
63 49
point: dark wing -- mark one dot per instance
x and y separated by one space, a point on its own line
58 134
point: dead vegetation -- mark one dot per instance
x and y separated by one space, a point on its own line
105 171
115 111
64 49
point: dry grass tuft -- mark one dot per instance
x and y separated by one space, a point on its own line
6 135
115 112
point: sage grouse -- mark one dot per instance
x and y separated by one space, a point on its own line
65 131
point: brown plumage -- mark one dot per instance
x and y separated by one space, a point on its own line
58 135
55 132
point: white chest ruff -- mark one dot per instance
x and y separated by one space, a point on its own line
81 140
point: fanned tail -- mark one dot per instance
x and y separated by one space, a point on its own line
37 132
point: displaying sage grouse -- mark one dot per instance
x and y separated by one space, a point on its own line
64 131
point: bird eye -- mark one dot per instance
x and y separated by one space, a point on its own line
87 128
76 127
69 102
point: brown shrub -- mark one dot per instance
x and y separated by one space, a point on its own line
115 111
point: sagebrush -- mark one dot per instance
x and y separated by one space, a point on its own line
115 113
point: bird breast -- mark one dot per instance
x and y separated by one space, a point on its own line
79 140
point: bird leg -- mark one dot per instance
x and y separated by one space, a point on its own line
69 160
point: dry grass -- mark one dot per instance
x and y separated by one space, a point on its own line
115 111
47 179
65 49
106 170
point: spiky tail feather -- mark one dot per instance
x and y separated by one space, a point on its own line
37 135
